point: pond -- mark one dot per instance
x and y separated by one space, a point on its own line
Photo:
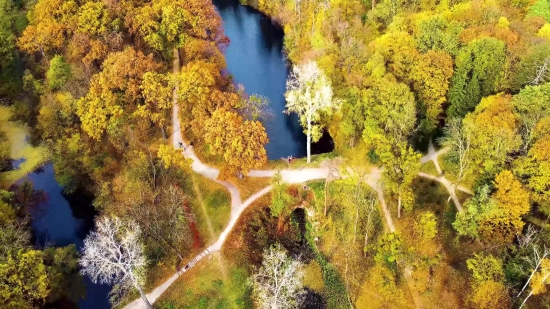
255 59
60 223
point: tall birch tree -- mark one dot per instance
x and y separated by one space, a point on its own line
113 254
309 94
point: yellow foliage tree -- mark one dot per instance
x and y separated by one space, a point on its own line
241 144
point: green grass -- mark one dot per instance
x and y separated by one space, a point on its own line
20 149
299 162
429 168
204 286
451 170
217 207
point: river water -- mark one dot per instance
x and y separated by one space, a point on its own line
255 59
59 223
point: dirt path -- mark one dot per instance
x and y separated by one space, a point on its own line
451 187
238 207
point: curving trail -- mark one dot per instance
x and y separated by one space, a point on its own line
451 187
289 176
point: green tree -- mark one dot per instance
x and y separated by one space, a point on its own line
401 165
59 72
389 112
541 8
531 105
425 226
530 65
63 274
477 74
24 281
437 33
467 222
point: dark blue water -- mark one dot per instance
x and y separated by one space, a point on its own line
255 59
57 223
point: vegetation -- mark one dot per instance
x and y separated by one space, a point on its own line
94 85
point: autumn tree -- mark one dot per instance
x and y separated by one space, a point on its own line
240 143
114 92
401 165
539 281
431 82
534 171
309 94
488 288
381 290
113 254
278 283
389 112
477 73
494 133
48 25
157 92
165 25
24 282
162 217
495 218
199 95
437 33
533 67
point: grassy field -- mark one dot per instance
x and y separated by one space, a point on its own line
211 203
214 283
20 148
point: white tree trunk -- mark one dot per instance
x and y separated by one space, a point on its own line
399 207
309 139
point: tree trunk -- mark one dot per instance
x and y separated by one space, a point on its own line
308 139
280 224
525 300
143 296
399 207
373 4
326 191
163 132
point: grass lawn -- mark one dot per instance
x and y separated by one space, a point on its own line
429 168
299 162
20 148
213 283
249 185
211 203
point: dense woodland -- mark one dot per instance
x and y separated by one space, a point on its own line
96 80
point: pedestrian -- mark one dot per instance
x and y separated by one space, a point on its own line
181 145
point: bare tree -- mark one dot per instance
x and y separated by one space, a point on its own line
309 93
254 106
13 237
278 283
539 258
458 138
162 218
113 254
543 73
